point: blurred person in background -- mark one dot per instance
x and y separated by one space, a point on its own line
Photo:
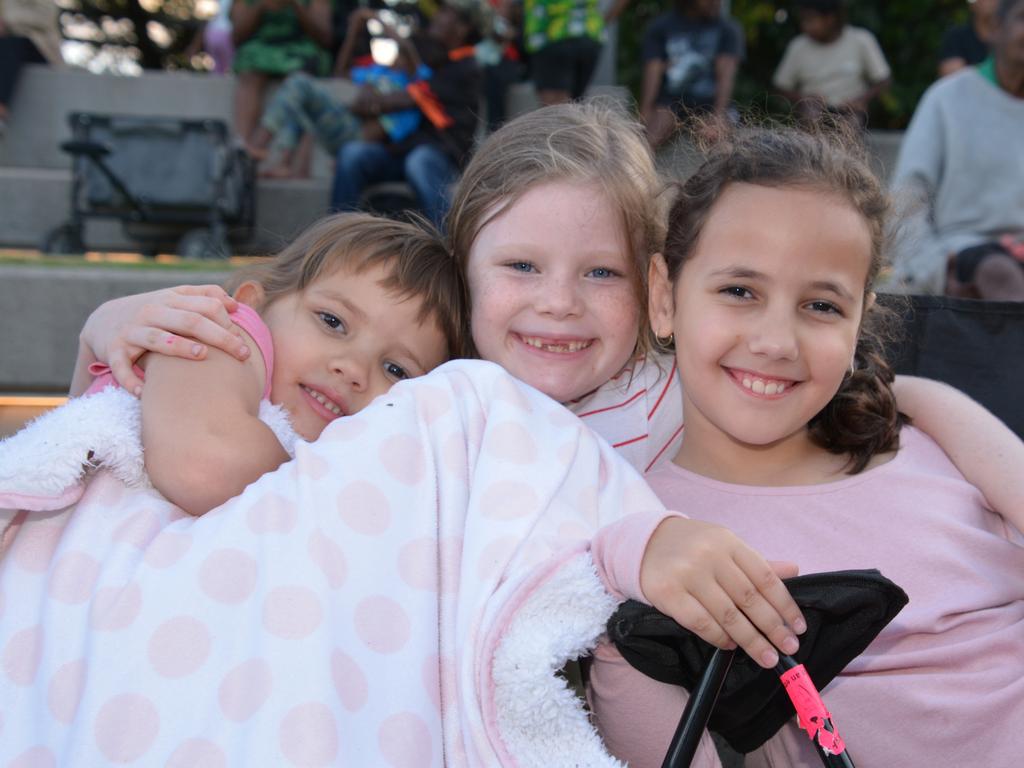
831 66
691 55
967 44
274 38
429 159
29 34
961 174
564 40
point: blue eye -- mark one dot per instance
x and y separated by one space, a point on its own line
395 371
603 272
331 321
521 266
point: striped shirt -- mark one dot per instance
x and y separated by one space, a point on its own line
639 411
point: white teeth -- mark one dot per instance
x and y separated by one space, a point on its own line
323 401
572 346
761 387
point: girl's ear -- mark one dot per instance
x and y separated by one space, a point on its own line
251 293
661 305
869 300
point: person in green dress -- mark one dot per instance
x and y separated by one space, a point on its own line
275 38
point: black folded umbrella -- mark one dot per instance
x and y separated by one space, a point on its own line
844 610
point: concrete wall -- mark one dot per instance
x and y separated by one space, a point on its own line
42 310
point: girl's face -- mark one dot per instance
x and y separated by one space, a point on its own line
342 342
766 313
552 290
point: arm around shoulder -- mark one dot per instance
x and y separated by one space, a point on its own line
203 440
987 452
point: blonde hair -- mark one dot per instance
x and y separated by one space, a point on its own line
413 252
591 142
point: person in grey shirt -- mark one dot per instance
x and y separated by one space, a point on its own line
960 175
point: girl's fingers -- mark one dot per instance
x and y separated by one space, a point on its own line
765 577
764 617
121 369
212 291
178 332
734 623
165 343
206 306
688 612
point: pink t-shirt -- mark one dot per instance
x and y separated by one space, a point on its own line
245 317
943 684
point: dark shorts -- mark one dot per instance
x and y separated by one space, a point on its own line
965 262
565 65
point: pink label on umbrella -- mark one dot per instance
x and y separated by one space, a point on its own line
811 713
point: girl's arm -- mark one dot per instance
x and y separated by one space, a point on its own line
202 439
705 577
985 450
178 321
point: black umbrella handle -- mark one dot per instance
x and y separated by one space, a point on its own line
812 715
698 709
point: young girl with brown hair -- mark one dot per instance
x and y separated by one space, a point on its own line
794 441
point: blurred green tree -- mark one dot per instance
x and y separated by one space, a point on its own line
123 35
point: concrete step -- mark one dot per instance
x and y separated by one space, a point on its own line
45 307
45 97
36 200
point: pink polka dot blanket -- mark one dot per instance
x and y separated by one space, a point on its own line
402 593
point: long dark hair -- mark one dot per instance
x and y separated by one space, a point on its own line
862 418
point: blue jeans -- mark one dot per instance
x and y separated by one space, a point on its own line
426 168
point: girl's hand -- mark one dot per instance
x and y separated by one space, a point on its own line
710 582
179 322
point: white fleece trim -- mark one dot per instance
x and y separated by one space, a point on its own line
55 451
276 417
540 719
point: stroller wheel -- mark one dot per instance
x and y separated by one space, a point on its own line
64 240
203 244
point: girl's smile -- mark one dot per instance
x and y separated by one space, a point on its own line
760 384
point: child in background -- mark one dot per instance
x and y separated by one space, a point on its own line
795 442
355 304
691 55
303 105
554 222
831 67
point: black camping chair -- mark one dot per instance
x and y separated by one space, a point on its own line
967 343
737 699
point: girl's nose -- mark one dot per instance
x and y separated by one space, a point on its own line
353 372
774 338
559 298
